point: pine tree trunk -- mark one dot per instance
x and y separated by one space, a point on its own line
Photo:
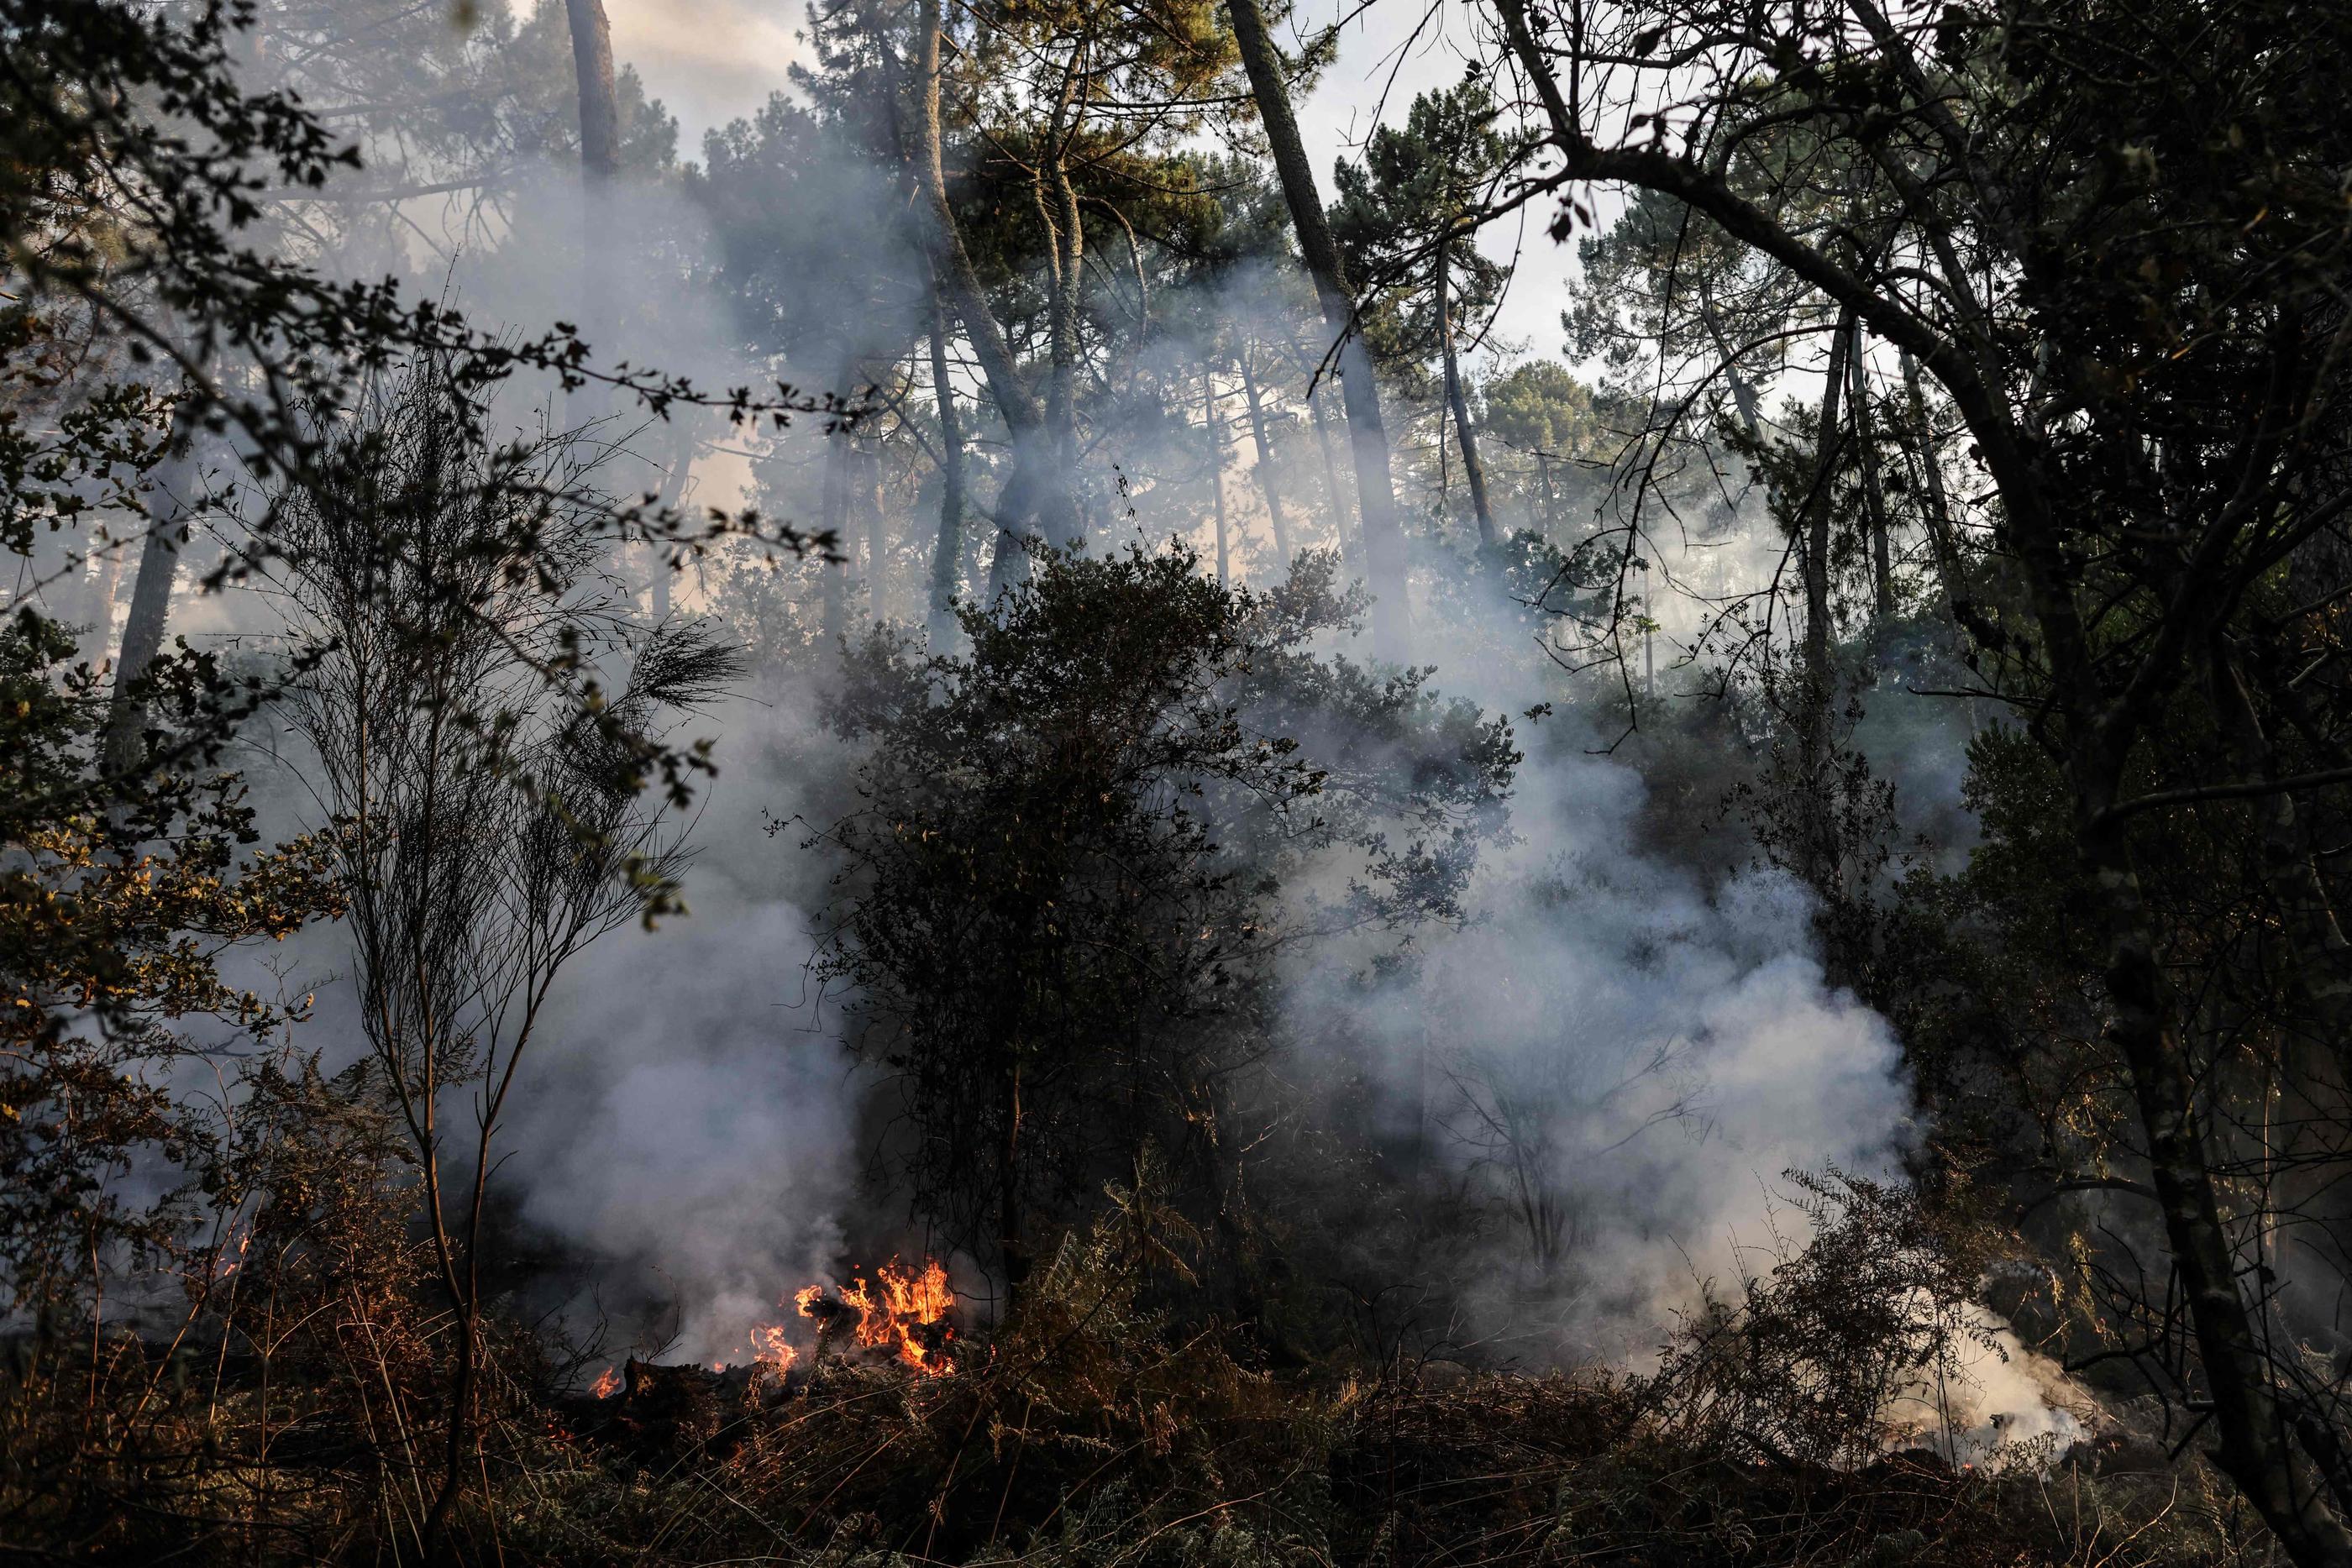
168 510
1351 540
1267 479
1212 430
947 555
600 162
600 109
673 489
1473 470
1068 298
1367 435
1942 538
834 571
1036 490
1816 678
2253 1448
878 548
1873 489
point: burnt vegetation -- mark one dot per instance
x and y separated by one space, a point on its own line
1332 935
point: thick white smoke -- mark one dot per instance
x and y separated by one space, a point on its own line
1624 1060
1622 1055
689 1127
688 1132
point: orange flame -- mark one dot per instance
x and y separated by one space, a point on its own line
904 1310
770 1349
608 1383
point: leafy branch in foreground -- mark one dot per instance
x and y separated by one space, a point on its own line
488 830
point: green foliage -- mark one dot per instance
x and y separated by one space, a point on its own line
114 907
1064 888
1540 406
1404 213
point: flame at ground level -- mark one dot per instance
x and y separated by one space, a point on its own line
899 1309
770 1348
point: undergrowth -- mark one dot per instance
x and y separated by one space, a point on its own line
1086 1430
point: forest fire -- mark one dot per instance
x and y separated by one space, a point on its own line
771 1350
903 1310
900 1313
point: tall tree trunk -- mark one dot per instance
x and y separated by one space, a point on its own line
877 549
834 569
1212 431
1473 470
439 1548
1444 460
1268 480
1817 677
600 162
947 555
1037 489
1367 435
1016 505
1062 406
1943 540
1874 488
683 444
170 506
600 107
2254 1448
1351 540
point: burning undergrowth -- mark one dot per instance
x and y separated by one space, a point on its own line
1087 1428
900 1315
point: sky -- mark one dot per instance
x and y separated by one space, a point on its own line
711 61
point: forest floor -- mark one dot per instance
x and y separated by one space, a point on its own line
1071 1439
1430 1466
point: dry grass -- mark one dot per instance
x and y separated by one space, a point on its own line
1171 1455
1084 1433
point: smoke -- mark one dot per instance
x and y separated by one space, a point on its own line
1614 1062
2010 1405
680 1141
708 63
1614 1059
1617 1061
687 1133
689 1128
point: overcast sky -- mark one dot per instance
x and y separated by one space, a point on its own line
714 60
